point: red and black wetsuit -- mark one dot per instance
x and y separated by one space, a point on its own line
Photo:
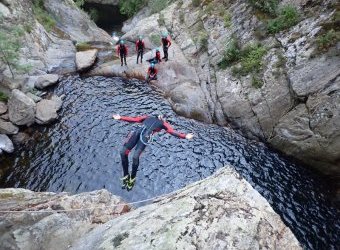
166 44
152 74
140 137
156 59
140 49
122 52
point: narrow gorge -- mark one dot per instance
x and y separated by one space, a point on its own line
256 82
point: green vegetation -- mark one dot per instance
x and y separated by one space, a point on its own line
209 9
83 46
232 53
3 97
79 3
131 7
196 3
279 19
181 16
157 5
10 44
256 82
42 16
161 20
94 15
266 6
251 60
227 20
203 40
288 17
155 39
327 40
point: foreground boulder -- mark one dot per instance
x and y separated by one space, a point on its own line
44 81
6 144
8 128
85 59
220 212
47 228
21 108
47 110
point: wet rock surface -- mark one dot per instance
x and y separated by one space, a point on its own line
220 212
48 225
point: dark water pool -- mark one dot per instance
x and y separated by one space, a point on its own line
81 153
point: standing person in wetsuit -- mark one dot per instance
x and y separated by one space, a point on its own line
140 49
152 73
166 44
139 139
122 52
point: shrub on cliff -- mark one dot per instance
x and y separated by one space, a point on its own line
266 6
288 17
42 16
10 44
131 7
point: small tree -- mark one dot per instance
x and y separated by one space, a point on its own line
10 44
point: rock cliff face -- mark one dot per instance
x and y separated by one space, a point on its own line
220 212
50 50
292 102
45 227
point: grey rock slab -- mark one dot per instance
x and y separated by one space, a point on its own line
3 108
8 128
44 81
85 59
220 212
6 144
50 229
21 108
47 110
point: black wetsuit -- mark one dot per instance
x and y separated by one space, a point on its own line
139 139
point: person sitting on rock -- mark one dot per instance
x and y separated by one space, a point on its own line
140 49
139 139
152 73
166 44
157 58
122 51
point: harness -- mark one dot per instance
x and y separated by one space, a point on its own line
150 140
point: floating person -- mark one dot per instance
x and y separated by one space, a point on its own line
139 139
166 44
152 73
140 49
122 51
157 58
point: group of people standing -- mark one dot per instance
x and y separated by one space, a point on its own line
122 51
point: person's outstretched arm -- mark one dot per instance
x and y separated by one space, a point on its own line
171 131
130 119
